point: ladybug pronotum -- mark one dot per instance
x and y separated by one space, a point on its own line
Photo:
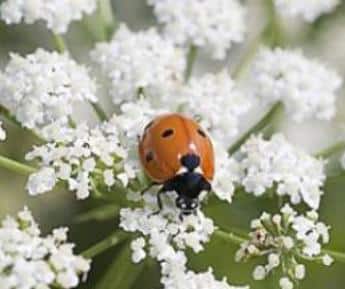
177 153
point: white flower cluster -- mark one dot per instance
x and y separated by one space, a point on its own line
30 261
57 14
218 103
2 132
42 88
309 10
166 238
284 238
277 164
306 88
140 60
84 158
214 25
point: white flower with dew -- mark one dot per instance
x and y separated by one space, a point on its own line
42 88
309 10
275 163
57 14
213 25
305 87
31 261
135 61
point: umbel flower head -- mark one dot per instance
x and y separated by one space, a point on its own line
135 61
165 237
213 25
30 261
83 157
305 87
277 164
309 10
42 88
57 14
286 238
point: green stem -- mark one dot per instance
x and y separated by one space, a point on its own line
191 57
328 152
242 66
99 111
275 35
259 126
60 44
15 166
230 237
107 18
338 256
109 242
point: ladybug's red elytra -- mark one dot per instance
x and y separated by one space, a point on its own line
177 153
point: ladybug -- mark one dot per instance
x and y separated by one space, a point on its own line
177 154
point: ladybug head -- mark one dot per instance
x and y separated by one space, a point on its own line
190 161
187 205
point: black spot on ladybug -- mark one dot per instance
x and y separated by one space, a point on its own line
201 132
167 133
149 157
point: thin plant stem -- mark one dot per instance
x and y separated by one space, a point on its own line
259 126
99 111
16 166
113 240
333 149
191 57
59 42
230 237
107 18
338 256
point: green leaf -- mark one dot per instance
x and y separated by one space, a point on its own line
122 273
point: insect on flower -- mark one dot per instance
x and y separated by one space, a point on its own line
176 152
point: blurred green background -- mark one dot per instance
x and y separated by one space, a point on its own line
325 40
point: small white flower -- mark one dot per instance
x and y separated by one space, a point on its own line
327 260
42 181
306 87
42 88
285 283
259 273
266 163
57 14
140 60
108 176
30 261
214 25
137 247
309 10
300 272
2 132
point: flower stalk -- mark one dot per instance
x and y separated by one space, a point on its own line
333 149
59 42
107 18
113 240
99 111
191 57
16 166
263 123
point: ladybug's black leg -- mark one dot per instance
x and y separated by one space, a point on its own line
168 186
148 187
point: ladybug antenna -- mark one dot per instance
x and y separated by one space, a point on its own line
190 161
